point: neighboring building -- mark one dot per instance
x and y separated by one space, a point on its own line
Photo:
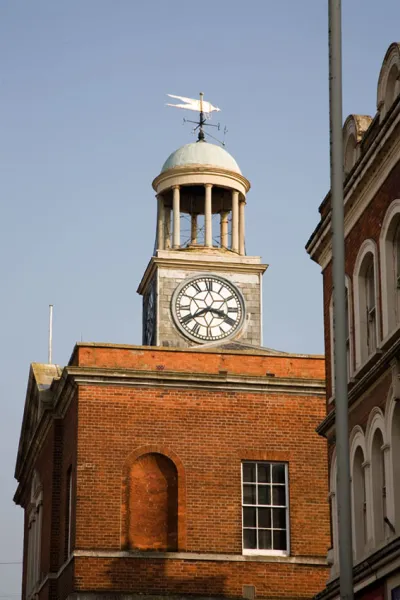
372 251
189 466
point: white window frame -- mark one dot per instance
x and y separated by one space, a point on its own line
360 317
357 440
390 320
267 552
349 340
334 514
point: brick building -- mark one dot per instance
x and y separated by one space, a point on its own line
188 466
372 261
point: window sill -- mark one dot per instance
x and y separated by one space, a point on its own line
249 552
391 337
367 364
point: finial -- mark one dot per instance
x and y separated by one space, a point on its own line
204 108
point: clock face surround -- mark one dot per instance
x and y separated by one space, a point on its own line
207 308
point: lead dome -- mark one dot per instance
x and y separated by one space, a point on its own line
201 153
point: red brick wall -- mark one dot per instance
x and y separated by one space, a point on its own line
207 434
211 433
273 580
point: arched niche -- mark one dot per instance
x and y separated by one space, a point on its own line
153 511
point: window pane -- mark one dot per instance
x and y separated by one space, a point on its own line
249 472
249 517
264 539
278 495
249 494
279 517
264 473
249 538
279 540
264 494
264 517
278 473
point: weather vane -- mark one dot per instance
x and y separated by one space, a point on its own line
204 109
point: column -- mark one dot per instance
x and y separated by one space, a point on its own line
235 221
242 204
193 229
177 216
224 229
160 222
167 228
208 215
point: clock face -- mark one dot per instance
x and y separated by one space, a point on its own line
208 308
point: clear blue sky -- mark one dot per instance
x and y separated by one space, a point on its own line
84 130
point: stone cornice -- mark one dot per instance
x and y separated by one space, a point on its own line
297 560
178 379
199 170
368 377
208 265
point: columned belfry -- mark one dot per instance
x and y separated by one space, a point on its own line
200 237
197 203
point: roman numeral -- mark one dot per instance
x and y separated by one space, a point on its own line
184 307
229 321
209 285
196 286
234 309
196 329
230 298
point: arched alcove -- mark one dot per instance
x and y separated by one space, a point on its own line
153 503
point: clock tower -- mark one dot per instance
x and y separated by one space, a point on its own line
200 287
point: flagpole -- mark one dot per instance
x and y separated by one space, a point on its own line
343 492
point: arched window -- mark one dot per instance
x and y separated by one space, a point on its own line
395 448
390 266
34 516
359 504
153 503
349 329
366 302
378 486
334 516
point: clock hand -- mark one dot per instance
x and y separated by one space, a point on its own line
218 312
200 312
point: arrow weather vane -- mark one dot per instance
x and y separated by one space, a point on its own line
201 106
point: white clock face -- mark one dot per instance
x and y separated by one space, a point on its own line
208 308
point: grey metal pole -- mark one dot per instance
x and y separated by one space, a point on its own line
339 302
